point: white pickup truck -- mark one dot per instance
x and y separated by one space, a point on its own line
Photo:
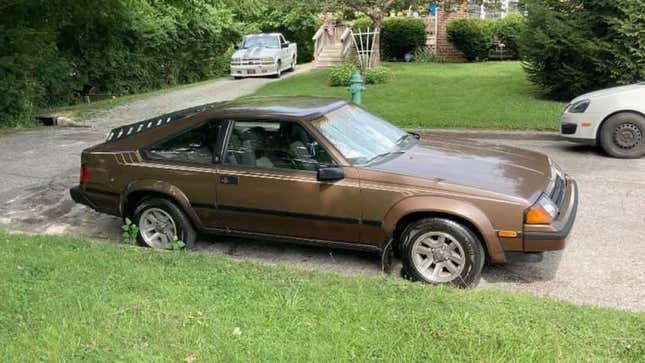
263 55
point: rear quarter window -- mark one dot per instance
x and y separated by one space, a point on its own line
193 146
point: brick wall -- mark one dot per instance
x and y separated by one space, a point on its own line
445 48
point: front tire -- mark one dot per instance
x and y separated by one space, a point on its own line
278 73
160 221
623 136
442 251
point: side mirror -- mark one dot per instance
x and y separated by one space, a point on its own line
285 45
331 173
416 135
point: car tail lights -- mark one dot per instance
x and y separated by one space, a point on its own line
85 174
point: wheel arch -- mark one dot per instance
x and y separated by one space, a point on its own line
415 208
142 189
602 123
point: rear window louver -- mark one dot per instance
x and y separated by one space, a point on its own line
122 132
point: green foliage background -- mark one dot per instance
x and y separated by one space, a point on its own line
474 37
51 49
572 47
399 35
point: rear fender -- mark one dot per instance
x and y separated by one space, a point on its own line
160 187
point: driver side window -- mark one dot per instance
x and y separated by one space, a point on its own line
274 145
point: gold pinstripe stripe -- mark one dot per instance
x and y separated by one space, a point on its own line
408 191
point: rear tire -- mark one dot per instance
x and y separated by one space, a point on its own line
163 219
442 251
623 136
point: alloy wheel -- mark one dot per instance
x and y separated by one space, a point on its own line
157 228
438 256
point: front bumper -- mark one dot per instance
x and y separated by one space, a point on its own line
254 70
579 127
551 237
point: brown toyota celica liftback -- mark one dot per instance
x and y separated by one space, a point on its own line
325 171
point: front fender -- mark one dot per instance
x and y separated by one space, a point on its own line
457 208
161 187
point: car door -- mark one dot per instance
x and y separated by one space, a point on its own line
284 52
188 160
268 184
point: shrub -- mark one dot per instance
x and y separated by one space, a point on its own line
571 49
377 75
118 47
473 37
508 31
342 74
362 23
402 35
425 55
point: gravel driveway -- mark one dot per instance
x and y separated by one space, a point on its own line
603 264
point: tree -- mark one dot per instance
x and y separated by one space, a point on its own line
575 46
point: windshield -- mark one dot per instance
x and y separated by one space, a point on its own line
361 137
262 41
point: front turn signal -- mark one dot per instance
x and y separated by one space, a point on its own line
542 212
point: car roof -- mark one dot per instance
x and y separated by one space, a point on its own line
300 107
267 108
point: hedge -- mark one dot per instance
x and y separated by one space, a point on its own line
402 35
475 37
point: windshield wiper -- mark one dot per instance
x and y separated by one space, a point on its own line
402 138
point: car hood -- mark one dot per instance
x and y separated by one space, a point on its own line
506 170
255 52
611 91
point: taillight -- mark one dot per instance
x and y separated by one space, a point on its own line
85 174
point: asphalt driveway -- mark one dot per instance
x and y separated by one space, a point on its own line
603 264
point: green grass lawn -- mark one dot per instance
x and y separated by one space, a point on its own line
63 299
494 95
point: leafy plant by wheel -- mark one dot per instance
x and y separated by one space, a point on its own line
129 231
176 245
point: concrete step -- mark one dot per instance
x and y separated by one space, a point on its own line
331 53
319 65
329 58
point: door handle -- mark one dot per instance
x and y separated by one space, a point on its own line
229 179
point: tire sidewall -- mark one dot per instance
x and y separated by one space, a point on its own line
279 71
185 231
471 245
607 135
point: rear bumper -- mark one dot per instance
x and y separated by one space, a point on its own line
538 238
101 201
80 197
